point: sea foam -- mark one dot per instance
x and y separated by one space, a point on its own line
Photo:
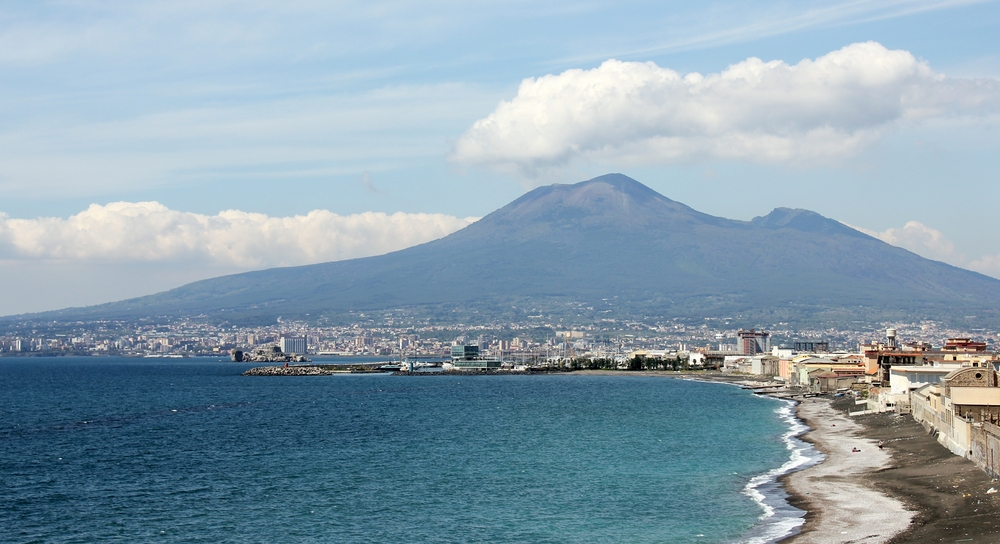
779 518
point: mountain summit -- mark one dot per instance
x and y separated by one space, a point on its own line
607 248
610 200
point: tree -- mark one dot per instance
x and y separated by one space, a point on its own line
637 363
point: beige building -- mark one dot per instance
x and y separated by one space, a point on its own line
765 365
964 413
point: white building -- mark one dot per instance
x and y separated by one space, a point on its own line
293 344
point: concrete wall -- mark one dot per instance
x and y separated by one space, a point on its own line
986 448
928 409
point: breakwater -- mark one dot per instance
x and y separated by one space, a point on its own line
294 370
313 370
327 370
272 354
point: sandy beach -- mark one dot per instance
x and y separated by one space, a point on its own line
914 491
842 505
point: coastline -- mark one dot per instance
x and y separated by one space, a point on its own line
841 506
940 496
781 519
783 516
913 491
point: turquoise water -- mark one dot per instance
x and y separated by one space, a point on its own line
127 450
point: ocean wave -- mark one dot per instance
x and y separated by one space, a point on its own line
780 519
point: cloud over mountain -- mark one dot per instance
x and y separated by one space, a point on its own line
149 231
754 110
933 244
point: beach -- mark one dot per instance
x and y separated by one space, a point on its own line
842 506
912 491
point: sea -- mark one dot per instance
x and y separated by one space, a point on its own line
105 449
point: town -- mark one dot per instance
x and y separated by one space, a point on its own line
700 342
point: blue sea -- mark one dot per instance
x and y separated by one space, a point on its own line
168 450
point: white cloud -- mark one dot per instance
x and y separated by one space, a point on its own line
933 244
150 232
987 264
754 110
920 239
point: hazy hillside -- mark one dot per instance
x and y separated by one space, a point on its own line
609 247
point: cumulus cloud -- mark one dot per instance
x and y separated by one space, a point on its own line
987 264
933 244
149 231
753 110
920 239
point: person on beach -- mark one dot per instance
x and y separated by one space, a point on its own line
880 444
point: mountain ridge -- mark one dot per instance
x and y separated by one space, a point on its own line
560 248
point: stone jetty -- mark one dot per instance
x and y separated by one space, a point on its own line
271 354
317 370
292 370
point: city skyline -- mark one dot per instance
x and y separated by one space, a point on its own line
149 146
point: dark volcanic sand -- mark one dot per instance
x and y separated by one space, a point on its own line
948 493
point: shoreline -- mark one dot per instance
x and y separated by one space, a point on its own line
840 504
929 494
913 491
781 519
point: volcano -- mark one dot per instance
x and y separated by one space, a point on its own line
607 248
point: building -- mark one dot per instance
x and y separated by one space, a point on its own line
754 342
467 358
964 345
293 344
964 411
464 353
712 359
823 381
903 380
696 359
765 365
878 362
811 347
825 374
476 364
963 358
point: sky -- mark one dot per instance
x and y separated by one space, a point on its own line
144 145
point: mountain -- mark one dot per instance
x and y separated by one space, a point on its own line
607 248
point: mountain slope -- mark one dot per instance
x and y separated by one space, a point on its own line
611 244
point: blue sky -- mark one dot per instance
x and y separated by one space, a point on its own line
128 128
